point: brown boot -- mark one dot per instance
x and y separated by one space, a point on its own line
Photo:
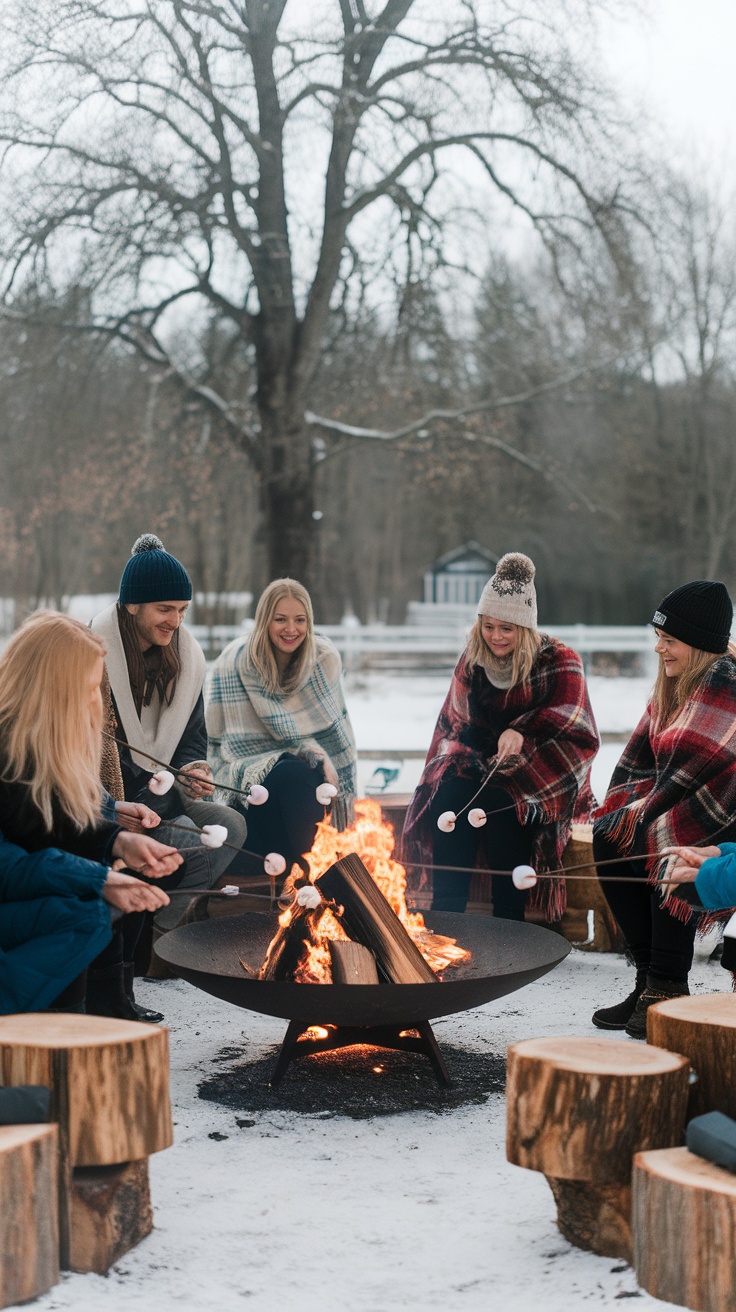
657 990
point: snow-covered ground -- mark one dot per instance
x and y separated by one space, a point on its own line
392 712
298 1213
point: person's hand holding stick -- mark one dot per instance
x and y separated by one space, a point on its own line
144 854
130 894
200 781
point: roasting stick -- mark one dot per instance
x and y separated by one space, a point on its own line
185 775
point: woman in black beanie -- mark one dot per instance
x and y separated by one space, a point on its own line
675 785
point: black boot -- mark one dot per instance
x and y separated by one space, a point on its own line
142 1013
106 994
618 1017
657 990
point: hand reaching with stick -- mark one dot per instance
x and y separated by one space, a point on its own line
200 781
130 894
688 861
510 743
134 814
144 854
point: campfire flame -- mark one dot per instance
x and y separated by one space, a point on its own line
373 841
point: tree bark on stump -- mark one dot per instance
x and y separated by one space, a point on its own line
29 1219
684 1213
703 1028
109 1082
368 918
110 1212
578 1110
596 1217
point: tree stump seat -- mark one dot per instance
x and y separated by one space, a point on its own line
109 1082
586 897
29 1221
578 1109
703 1027
684 1223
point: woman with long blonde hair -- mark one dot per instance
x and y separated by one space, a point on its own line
276 716
517 710
50 750
675 786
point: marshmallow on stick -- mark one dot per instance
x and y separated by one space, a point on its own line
213 835
325 793
257 795
524 876
161 782
477 817
447 822
274 864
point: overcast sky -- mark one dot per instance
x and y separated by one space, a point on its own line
682 59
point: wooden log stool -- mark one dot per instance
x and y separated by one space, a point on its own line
585 899
109 1082
684 1221
578 1109
704 1029
29 1219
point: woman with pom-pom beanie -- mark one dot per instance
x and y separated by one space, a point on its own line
517 704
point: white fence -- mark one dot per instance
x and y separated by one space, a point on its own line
363 644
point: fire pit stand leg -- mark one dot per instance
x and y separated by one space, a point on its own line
344 1036
432 1049
287 1052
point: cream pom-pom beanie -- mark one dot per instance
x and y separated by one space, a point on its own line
510 595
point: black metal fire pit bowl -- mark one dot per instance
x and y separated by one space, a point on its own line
506 955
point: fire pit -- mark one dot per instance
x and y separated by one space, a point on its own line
506 955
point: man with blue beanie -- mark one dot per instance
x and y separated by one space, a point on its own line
156 672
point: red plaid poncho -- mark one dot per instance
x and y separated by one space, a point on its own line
549 781
677 786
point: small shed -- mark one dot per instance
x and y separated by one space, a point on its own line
458 577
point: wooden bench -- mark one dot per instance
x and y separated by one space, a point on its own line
702 1027
29 1220
684 1223
109 1082
578 1109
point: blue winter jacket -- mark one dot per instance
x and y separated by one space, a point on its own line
53 923
715 882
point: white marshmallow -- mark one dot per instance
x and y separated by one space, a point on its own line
229 890
161 782
274 864
213 835
325 793
524 876
447 821
308 896
257 795
477 817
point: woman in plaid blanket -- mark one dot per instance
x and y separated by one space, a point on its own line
517 703
675 786
276 715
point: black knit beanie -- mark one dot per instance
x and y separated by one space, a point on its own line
152 574
699 613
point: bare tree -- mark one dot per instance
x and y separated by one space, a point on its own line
267 162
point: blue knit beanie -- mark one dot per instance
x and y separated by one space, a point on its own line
152 574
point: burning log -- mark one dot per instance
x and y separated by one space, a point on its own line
352 963
368 918
300 949
297 930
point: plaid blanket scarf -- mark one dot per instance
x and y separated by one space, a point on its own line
676 786
549 782
249 730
